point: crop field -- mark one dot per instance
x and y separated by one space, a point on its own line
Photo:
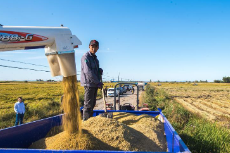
199 113
42 99
209 100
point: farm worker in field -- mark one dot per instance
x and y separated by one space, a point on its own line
19 109
90 78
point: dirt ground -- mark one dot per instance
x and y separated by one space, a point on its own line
127 97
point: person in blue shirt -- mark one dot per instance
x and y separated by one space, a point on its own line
19 109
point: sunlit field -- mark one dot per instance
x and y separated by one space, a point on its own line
198 112
209 100
42 99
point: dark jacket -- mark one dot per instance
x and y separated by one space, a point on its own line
90 74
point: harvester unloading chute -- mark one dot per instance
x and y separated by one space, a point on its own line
59 44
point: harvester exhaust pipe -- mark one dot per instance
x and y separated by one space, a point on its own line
59 44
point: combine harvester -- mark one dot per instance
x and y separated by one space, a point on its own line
59 44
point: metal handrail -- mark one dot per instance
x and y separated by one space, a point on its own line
114 104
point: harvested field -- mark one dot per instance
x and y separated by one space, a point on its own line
209 100
124 132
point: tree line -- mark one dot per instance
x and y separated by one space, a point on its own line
224 80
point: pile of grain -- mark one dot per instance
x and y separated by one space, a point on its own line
125 132
151 130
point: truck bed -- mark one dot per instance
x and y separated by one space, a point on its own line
19 138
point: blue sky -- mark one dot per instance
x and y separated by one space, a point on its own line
170 40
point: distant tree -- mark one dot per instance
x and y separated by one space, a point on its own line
217 81
226 79
150 80
203 81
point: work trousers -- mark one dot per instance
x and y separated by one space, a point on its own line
90 102
19 119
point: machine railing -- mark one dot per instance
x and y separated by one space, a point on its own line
114 103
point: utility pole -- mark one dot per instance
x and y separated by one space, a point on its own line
118 76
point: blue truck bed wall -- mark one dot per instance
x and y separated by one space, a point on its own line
18 138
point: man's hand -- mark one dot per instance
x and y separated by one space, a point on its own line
101 71
100 85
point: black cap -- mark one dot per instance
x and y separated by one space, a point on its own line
94 42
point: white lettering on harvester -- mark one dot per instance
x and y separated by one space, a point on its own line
15 37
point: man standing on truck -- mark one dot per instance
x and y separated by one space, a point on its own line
90 78
19 109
